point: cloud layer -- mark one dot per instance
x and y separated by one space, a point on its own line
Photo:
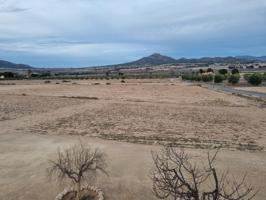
96 32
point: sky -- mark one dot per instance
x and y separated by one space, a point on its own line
80 33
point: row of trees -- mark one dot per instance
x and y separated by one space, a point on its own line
175 174
233 77
217 78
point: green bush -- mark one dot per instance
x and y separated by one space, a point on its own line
255 79
207 78
198 78
235 71
223 71
186 77
234 78
191 77
218 78
225 76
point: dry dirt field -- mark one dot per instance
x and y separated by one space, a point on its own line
127 121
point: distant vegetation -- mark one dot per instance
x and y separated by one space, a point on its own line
218 78
222 75
223 71
155 66
207 77
233 79
255 79
235 71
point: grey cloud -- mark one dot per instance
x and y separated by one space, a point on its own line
123 27
7 6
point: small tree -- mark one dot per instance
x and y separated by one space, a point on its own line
218 78
177 176
235 71
77 164
223 71
234 79
255 79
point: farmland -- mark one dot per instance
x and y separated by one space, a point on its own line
126 120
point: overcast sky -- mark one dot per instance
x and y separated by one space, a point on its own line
72 33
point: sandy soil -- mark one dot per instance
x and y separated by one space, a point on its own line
48 116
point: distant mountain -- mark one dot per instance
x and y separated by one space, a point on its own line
9 65
158 59
260 58
210 60
154 59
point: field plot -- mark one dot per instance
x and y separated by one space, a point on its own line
127 120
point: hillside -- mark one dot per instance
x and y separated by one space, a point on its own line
158 59
9 65
154 59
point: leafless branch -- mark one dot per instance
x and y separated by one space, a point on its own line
77 163
176 176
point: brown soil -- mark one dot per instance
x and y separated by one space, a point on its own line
48 116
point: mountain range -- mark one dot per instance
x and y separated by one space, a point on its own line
158 59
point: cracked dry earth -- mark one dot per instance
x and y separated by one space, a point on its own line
36 118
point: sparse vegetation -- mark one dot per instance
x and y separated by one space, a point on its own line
164 112
178 176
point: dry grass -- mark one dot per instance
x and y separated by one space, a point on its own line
139 111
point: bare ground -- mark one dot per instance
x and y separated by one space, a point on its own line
48 116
